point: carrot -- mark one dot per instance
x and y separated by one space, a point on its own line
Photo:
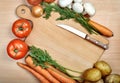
102 29
40 70
63 78
37 75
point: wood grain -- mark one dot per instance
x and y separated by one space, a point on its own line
107 13
61 44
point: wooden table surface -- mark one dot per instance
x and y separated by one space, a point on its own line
107 13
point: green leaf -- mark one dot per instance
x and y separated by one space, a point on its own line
66 13
41 58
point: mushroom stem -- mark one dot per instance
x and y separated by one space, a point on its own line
89 9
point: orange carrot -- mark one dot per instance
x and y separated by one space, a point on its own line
102 29
40 70
63 78
36 74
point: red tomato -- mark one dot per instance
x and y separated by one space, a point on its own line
49 1
34 2
21 28
17 49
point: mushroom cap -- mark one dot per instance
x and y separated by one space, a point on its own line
64 3
89 9
77 7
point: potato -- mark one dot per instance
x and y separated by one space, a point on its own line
87 81
99 81
113 78
104 67
92 74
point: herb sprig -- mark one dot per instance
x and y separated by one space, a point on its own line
41 58
66 13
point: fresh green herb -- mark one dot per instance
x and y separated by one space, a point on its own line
41 58
66 13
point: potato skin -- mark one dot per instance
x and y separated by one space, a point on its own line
99 81
104 67
113 78
92 74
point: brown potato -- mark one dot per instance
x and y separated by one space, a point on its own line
87 81
92 74
104 67
99 81
113 78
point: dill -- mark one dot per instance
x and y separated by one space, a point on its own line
66 13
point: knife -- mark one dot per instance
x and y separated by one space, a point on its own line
83 35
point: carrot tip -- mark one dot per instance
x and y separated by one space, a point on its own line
112 34
18 63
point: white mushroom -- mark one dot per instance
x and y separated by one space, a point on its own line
64 3
77 7
70 6
77 1
89 9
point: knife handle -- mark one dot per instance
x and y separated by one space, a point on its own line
96 42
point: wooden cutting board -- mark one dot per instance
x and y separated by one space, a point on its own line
66 48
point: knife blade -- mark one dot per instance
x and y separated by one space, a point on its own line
83 35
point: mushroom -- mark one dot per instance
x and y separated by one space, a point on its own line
89 9
77 1
77 7
70 6
64 3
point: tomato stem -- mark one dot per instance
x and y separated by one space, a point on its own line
20 28
16 51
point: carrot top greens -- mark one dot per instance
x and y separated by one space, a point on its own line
66 13
41 57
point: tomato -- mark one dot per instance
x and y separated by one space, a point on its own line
21 28
17 49
34 2
49 1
